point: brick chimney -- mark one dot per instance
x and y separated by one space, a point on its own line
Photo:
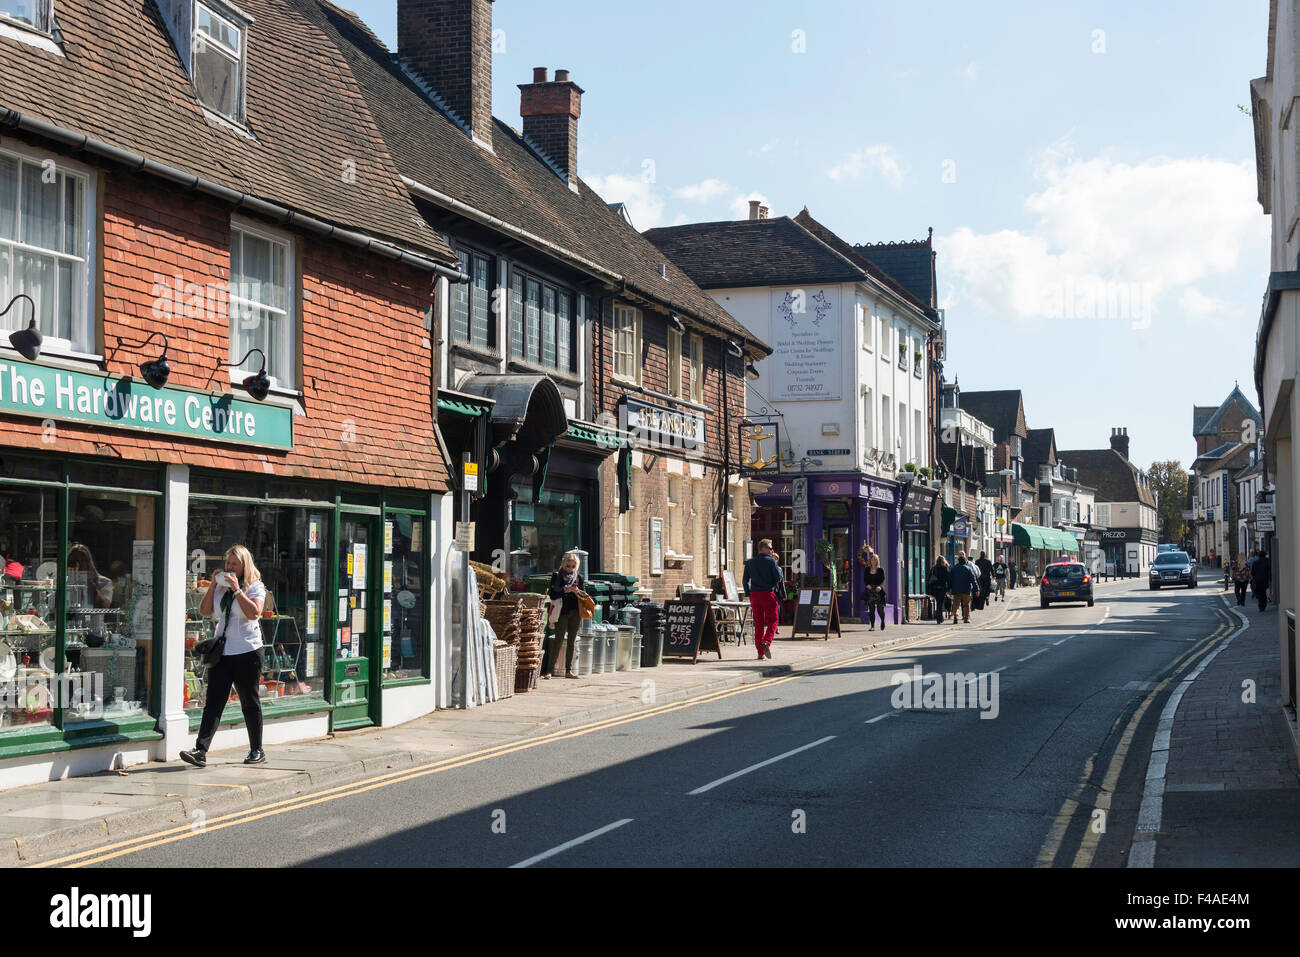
448 45
550 110
1119 441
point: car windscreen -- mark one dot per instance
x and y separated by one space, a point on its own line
1172 558
1064 571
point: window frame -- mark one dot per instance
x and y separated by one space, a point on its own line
471 259
84 343
197 37
627 323
291 347
44 28
533 349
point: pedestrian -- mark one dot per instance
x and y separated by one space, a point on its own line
1261 576
937 584
235 598
1241 579
1000 572
986 577
565 586
873 582
963 583
764 584
1015 575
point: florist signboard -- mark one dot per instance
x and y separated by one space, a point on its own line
99 399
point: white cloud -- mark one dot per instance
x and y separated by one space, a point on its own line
702 192
1112 241
644 206
874 159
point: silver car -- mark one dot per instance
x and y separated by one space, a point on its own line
1173 569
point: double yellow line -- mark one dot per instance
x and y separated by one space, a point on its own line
1065 817
183 832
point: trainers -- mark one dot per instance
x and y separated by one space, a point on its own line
767 652
256 756
195 757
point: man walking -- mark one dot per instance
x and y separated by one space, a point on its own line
985 568
1000 572
764 584
964 582
1261 576
1241 579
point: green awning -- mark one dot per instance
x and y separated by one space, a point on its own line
577 431
461 407
1037 536
949 516
607 439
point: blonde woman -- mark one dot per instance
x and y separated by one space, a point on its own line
235 598
565 585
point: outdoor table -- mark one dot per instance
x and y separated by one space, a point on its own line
735 615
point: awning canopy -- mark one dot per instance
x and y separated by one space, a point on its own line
1038 536
463 407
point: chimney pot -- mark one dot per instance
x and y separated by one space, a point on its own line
754 206
540 74
763 212
561 76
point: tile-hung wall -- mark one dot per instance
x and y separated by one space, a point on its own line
687 522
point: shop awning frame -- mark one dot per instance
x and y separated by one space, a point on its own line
1039 536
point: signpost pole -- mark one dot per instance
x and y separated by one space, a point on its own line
465 589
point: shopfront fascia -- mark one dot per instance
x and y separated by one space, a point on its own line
846 511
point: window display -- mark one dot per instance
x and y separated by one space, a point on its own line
29 529
403 613
288 545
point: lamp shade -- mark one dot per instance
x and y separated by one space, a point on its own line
258 385
156 371
27 341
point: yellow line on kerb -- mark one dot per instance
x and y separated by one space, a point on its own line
183 832
1071 806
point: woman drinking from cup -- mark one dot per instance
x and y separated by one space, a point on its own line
236 597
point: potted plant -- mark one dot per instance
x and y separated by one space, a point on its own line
909 467
924 471
827 555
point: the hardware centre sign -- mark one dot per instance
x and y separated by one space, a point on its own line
124 403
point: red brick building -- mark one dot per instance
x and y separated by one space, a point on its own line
190 185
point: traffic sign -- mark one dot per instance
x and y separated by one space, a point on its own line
799 501
471 476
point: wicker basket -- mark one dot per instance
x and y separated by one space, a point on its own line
532 599
505 662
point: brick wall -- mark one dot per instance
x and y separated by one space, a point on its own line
365 362
448 43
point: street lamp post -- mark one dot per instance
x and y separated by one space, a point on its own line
1002 474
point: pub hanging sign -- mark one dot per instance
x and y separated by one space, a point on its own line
760 448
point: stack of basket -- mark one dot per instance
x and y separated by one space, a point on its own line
491 586
531 624
503 616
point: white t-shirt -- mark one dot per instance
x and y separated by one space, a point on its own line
244 634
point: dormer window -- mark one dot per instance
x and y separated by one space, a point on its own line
37 14
218 62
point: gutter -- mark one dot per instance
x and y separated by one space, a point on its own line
79 142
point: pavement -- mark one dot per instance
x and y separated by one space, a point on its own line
1253 774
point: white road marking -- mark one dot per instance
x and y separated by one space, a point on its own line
1027 657
573 843
762 764
1142 851
1065 639
882 717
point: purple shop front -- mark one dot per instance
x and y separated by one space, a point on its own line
846 511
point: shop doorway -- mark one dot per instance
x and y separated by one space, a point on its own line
356 627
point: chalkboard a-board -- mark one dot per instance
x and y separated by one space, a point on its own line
689 629
817 611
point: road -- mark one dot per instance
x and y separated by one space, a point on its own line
817 769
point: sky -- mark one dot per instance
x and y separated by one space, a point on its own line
1087 168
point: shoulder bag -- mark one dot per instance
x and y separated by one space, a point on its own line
210 650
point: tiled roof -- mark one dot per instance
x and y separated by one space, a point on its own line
1200 415
856 255
1211 427
1113 476
966 461
1222 457
121 81
512 184
1040 448
762 252
910 263
1003 410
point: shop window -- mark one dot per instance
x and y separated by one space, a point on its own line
262 303
627 343
404 627
29 540
289 547
45 250
541 533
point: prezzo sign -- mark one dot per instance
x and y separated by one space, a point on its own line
126 403
663 426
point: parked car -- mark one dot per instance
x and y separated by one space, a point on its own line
1168 547
1171 569
1065 581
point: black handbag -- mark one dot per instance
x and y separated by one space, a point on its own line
210 650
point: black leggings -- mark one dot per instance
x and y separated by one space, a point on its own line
872 609
242 671
1241 592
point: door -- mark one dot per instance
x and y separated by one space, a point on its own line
356 627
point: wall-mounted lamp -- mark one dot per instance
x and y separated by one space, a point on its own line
258 385
676 324
751 372
153 371
735 350
26 341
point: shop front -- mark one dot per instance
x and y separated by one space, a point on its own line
1039 546
557 514
918 510
1129 550
845 514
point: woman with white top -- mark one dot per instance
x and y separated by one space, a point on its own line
236 597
